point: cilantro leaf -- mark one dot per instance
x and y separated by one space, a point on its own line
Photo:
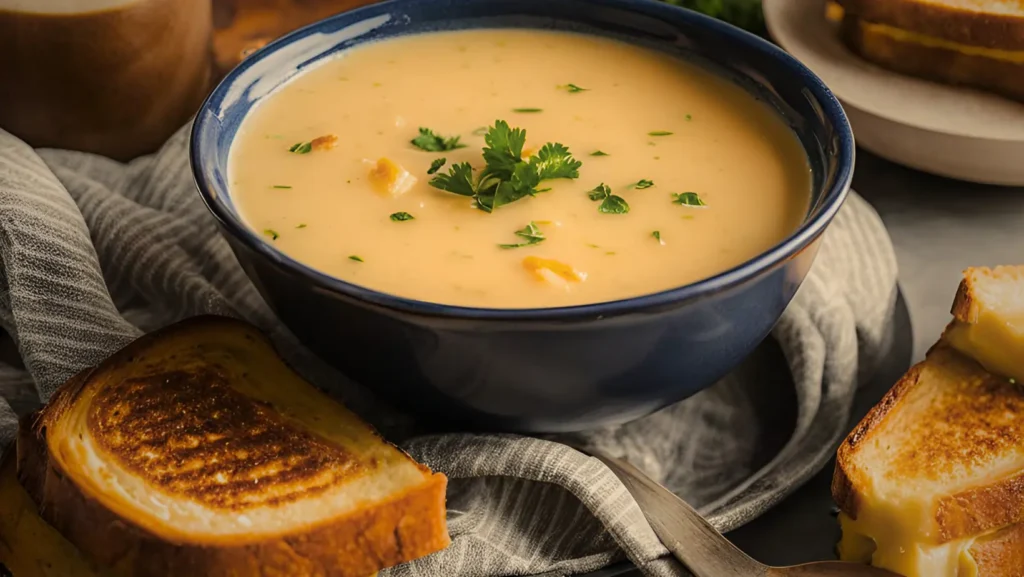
355 257
688 199
599 153
527 110
600 192
614 205
436 165
459 180
659 133
301 148
555 161
271 233
644 183
401 216
430 141
504 149
657 236
531 233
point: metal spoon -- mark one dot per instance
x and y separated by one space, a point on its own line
700 547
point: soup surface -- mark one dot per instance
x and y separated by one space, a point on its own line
674 175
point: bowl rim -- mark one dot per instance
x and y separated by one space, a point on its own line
831 200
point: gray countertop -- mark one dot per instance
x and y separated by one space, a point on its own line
940 227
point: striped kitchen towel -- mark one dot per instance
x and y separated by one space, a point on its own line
95 252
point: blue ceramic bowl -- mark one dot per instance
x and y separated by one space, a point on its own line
539 370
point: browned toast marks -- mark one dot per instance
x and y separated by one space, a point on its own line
1000 554
191 434
947 419
949 22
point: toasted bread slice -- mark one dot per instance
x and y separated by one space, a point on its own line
982 23
936 465
988 319
996 70
28 546
196 451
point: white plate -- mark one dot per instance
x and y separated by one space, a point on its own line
945 130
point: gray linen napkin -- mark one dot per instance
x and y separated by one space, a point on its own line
96 252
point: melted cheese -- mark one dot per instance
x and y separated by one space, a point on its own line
835 13
900 547
996 341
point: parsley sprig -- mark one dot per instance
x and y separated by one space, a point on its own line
430 141
611 204
531 233
507 177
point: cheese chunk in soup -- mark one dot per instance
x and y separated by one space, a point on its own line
638 172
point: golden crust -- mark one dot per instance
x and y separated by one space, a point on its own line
1002 31
407 525
847 477
1001 554
972 406
933 63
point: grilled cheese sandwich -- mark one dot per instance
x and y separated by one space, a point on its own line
197 451
931 482
979 45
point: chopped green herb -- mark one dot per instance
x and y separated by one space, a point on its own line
436 165
480 131
527 110
657 236
303 225
599 153
430 141
401 216
355 258
301 148
271 233
593 245
659 133
281 186
572 88
507 176
531 233
689 117
611 204
644 183
540 190
610 253
688 199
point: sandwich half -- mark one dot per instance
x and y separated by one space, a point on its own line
196 451
931 482
975 43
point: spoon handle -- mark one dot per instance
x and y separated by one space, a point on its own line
692 540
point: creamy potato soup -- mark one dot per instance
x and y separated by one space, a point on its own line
517 169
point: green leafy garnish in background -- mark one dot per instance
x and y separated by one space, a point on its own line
746 14
401 217
610 204
657 236
599 153
643 183
531 233
659 133
507 177
355 258
527 110
271 233
430 141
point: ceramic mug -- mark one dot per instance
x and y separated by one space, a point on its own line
114 77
